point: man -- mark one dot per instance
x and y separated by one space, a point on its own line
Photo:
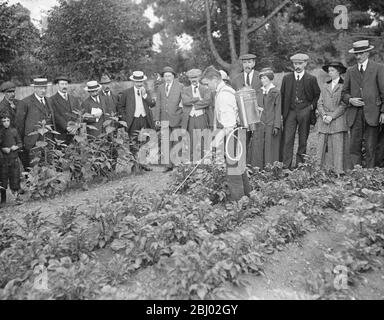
168 105
226 118
9 104
111 98
363 92
96 106
196 101
249 77
63 105
37 108
134 107
299 95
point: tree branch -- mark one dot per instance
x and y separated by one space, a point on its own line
269 17
231 35
212 46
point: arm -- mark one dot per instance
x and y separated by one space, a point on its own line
380 83
149 100
205 101
61 122
277 120
316 92
320 105
228 110
339 110
19 143
21 114
282 94
87 109
157 109
346 91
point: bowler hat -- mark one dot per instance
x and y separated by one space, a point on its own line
61 78
7 86
138 76
361 46
105 79
168 69
299 57
247 56
194 73
40 82
335 64
92 86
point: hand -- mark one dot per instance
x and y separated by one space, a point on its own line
356 102
327 119
143 91
14 148
381 119
72 130
6 150
275 131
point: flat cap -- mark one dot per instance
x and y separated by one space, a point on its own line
61 78
300 57
194 73
168 69
247 56
7 86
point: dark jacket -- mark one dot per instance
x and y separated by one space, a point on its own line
10 137
311 90
372 92
111 101
126 107
28 117
5 106
87 106
238 81
271 104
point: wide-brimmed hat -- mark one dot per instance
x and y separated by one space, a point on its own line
361 46
61 78
194 73
168 69
40 82
265 72
336 64
92 86
8 86
299 57
105 79
247 56
138 76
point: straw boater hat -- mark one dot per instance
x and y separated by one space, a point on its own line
8 86
62 78
337 65
299 57
138 76
247 56
105 79
194 73
361 46
92 86
40 82
168 69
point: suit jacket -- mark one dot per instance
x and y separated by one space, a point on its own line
330 104
126 107
87 106
271 104
111 100
63 112
187 99
6 107
168 107
370 87
311 90
28 117
238 81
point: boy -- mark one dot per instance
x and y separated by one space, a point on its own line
10 143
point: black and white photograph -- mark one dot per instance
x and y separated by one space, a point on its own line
191 154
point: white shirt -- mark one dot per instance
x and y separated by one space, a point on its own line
194 112
335 82
364 64
266 90
139 110
226 112
64 95
42 100
301 74
250 77
169 88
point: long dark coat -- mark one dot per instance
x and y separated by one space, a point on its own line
87 106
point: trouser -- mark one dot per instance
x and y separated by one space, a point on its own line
296 119
137 125
10 173
196 145
171 145
24 156
359 132
380 148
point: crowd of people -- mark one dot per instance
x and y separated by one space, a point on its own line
348 110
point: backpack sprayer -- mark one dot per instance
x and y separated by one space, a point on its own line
249 115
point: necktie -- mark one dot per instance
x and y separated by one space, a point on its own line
298 78
248 80
66 97
361 69
167 88
138 92
195 89
42 101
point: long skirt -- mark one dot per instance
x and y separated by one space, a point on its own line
264 147
333 151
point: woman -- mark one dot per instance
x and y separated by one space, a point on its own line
265 142
332 125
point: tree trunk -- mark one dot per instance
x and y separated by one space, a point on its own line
231 34
244 39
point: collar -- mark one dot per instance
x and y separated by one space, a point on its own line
169 84
301 74
267 89
37 97
9 101
364 64
95 98
250 74
220 86
63 94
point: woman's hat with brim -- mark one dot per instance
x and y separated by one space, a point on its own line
266 72
40 82
61 78
92 86
8 86
138 76
168 69
335 64
361 46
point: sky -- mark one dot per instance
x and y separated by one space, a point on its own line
39 9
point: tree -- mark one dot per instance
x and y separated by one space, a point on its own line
19 40
87 38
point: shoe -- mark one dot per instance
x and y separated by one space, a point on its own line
168 169
145 168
